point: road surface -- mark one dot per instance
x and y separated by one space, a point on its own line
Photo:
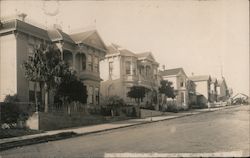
221 131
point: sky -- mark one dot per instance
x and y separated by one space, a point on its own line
203 37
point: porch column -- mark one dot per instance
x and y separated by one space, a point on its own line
74 61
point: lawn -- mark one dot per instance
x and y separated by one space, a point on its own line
8 133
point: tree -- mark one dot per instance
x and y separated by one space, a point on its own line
11 99
191 91
137 93
167 89
113 102
71 90
44 67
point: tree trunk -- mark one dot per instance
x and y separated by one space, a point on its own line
69 110
35 92
46 98
112 112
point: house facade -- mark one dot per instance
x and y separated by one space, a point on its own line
179 79
125 69
82 51
202 88
206 89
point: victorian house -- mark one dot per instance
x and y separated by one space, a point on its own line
82 51
180 80
123 69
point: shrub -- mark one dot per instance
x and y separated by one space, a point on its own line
11 113
172 108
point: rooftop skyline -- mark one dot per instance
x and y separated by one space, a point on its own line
203 37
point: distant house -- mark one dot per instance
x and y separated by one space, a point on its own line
222 90
179 79
202 88
123 69
240 98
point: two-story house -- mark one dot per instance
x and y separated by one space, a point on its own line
203 84
125 69
179 79
82 51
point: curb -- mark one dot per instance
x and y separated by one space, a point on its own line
66 135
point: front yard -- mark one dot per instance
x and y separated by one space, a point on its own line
8 133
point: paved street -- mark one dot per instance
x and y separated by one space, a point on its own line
220 131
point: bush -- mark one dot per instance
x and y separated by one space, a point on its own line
105 111
11 98
11 113
172 108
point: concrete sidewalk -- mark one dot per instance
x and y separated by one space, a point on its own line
102 127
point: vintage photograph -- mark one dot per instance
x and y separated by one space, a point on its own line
124 78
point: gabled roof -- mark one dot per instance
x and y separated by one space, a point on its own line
58 35
171 72
222 81
240 95
200 78
21 26
116 49
145 55
91 38
214 80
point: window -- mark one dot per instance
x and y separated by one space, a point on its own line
134 68
30 50
97 95
110 69
68 58
96 64
91 95
182 84
147 70
83 59
182 97
90 65
127 67
141 69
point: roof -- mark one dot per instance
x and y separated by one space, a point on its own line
200 78
58 35
116 49
240 95
171 72
79 37
90 77
91 38
146 55
127 52
21 26
214 80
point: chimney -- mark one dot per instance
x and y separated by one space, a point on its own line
22 16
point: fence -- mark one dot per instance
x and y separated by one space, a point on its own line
75 107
